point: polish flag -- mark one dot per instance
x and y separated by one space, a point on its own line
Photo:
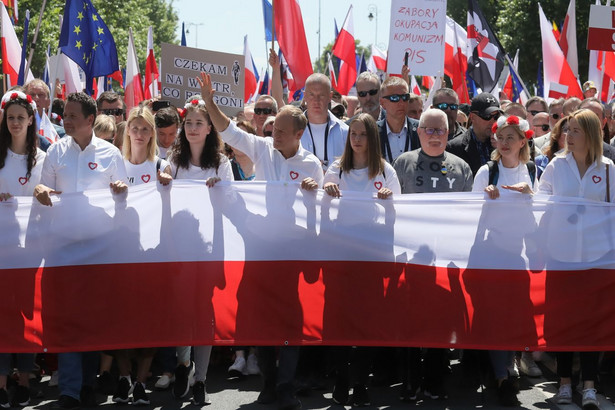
291 37
377 61
568 39
427 81
46 129
152 76
606 66
344 49
72 79
251 76
133 90
332 74
11 50
559 80
455 58
414 86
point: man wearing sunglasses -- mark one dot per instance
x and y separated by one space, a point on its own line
398 133
265 106
368 93
111 103
595 105
474 146
447 100
556 111
542 129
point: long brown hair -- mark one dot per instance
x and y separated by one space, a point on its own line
375 163
556 132
31 136
209 157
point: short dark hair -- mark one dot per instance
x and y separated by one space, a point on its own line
110 97
166 117
88 105
57 107
449 92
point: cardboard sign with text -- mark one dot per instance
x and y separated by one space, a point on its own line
180 66
417 27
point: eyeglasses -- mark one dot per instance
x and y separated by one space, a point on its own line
259 111
534 112
396 97
544 127
445 106
493 116
370 92
431 131
113 111
555 116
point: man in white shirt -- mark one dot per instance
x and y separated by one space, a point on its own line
78 162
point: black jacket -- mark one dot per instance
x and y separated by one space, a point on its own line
464 146
412 137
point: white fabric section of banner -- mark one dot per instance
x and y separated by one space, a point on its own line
278 222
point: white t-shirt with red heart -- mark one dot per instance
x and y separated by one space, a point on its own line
358 179
13 179
145 172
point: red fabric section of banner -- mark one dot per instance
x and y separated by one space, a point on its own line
297 302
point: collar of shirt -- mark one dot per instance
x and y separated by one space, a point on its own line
91 144
404 129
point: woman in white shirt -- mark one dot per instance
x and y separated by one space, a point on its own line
361 166
197 155
139 150
580 171
21 161
511 157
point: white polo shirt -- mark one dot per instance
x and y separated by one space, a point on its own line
13 179
67 168
358 179
224 172
561 177
145 172
269 163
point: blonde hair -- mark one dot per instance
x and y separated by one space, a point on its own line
590 124
104 125
524 152
146 115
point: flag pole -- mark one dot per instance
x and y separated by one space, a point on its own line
510 64
33 46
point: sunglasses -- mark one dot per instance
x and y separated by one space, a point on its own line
446 106
113 111
370 92
544 127
555 116
267 133
493 116
396 97
438 131
259 111
534 112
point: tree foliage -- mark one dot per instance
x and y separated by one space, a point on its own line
119 16
321 64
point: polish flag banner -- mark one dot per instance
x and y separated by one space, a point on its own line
11 49
559 80
271 264
251 76
414 86
344 49
455 58
377 61
568 38
152 84
133 89
332 77
291 37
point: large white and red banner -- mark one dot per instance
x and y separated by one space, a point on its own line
269 264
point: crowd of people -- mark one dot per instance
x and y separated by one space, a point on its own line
380 141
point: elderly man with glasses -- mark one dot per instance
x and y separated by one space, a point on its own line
398 133
474 146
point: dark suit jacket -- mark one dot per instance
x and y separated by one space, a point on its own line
414 143
465 148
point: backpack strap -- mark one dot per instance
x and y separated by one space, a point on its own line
493 172
531 169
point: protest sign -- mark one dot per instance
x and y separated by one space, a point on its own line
180 66
601 32
417 27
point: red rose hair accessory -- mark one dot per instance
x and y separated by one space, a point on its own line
529 134
14 96
195 103
511 121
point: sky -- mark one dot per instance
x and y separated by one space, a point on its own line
222 24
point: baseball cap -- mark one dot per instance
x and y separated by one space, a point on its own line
588 85
485 104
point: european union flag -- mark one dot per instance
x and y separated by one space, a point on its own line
86 39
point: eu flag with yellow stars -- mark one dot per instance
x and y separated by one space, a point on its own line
87 41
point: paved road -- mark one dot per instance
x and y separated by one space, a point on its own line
535 393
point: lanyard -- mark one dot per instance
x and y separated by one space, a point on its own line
326 159
387 145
